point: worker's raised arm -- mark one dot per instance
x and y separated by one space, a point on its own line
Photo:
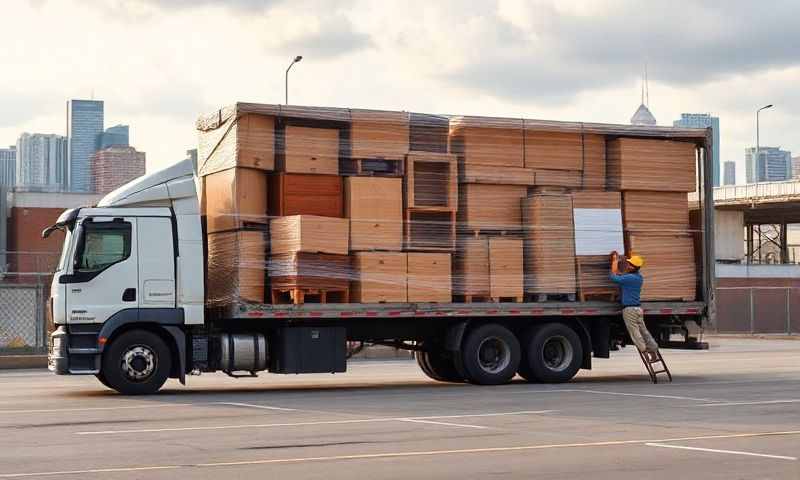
614 263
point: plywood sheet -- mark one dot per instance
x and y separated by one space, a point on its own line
429 277
650 164
656 212
505 267
310 150
236 267
594 162
306 194
488 141
309 233
379 277
471 266
469 173
374 206
378 134
490 207
234 197
549 249
669 268
558 178
553 150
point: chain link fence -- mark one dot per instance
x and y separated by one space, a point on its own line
24 295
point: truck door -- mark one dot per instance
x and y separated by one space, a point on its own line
156 263
104 271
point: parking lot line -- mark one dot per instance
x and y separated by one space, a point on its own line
713 450
758 402
250 405
624 394
311 423
367 456
446 424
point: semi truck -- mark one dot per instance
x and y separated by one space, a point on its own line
128 303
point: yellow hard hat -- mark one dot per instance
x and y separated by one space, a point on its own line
636 261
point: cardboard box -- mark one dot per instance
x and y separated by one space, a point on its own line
379 277
649 164
431 180
308 233
310 270
429 277
471 266
236 267
505 267
233 198
596 199
488 141
428 133
255 142
553 150
669 269
310 150
594 161
558 178
549 247
656 212
227 142
374 206
490 207
497 175
378 134
306 194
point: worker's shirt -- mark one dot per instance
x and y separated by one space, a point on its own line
631 286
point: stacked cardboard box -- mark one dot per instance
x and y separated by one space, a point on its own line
549 248
488 268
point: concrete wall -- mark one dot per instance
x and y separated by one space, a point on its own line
729 234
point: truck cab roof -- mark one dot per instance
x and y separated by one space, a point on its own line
157 189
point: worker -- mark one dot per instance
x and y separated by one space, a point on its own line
630 282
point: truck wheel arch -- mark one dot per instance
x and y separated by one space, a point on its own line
164 322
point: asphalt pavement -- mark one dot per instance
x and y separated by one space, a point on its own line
732 412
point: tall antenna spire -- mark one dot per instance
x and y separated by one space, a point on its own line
646 87
642 99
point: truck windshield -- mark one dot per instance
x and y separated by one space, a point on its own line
62 262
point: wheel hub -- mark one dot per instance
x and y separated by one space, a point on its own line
138 363
557 353
494 355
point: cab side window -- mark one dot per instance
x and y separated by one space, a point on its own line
102 244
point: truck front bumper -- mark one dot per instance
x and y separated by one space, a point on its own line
74 353
57 361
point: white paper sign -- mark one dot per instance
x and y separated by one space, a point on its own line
598 231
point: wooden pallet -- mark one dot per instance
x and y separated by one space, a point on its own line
466 230
486 299
371 167
299 296
430 229
598 293
593 283
550 297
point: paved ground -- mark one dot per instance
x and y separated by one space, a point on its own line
732 412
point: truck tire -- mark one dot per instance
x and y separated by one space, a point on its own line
102 379
490 355
137 362
552 353
438 367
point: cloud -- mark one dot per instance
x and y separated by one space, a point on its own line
19 108
325 39
561 53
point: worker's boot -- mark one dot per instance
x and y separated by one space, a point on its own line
652 356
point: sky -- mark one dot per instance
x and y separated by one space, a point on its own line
158 64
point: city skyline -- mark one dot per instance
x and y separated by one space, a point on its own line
85 119
535 61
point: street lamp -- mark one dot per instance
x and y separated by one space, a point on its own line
758 146
286 90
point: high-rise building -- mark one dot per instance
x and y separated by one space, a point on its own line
729 173
704 120
41 161
84 126
116 166
8 166
116 136
772 164
796 167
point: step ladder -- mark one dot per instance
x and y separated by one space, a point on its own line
652 365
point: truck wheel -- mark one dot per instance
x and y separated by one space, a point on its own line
438 367
102 379
137 362
490 355
552 354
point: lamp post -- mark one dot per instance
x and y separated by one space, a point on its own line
758 145
286 86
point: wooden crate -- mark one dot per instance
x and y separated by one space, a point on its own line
306 194
496 175
471 267
309 150
505 268
309 277
490 207
488 141
669 269
237 267
234 198
309 233
431 180
374 206
594 162
656 212
649 164
549 246
379 277
378 134
553 150
558 178
429 229
429 278
428 133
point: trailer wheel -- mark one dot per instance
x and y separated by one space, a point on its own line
552 353
137 362
490 355
102 379
438 367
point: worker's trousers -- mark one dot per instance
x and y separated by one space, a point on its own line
634 321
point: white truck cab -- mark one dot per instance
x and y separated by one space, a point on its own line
134 259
